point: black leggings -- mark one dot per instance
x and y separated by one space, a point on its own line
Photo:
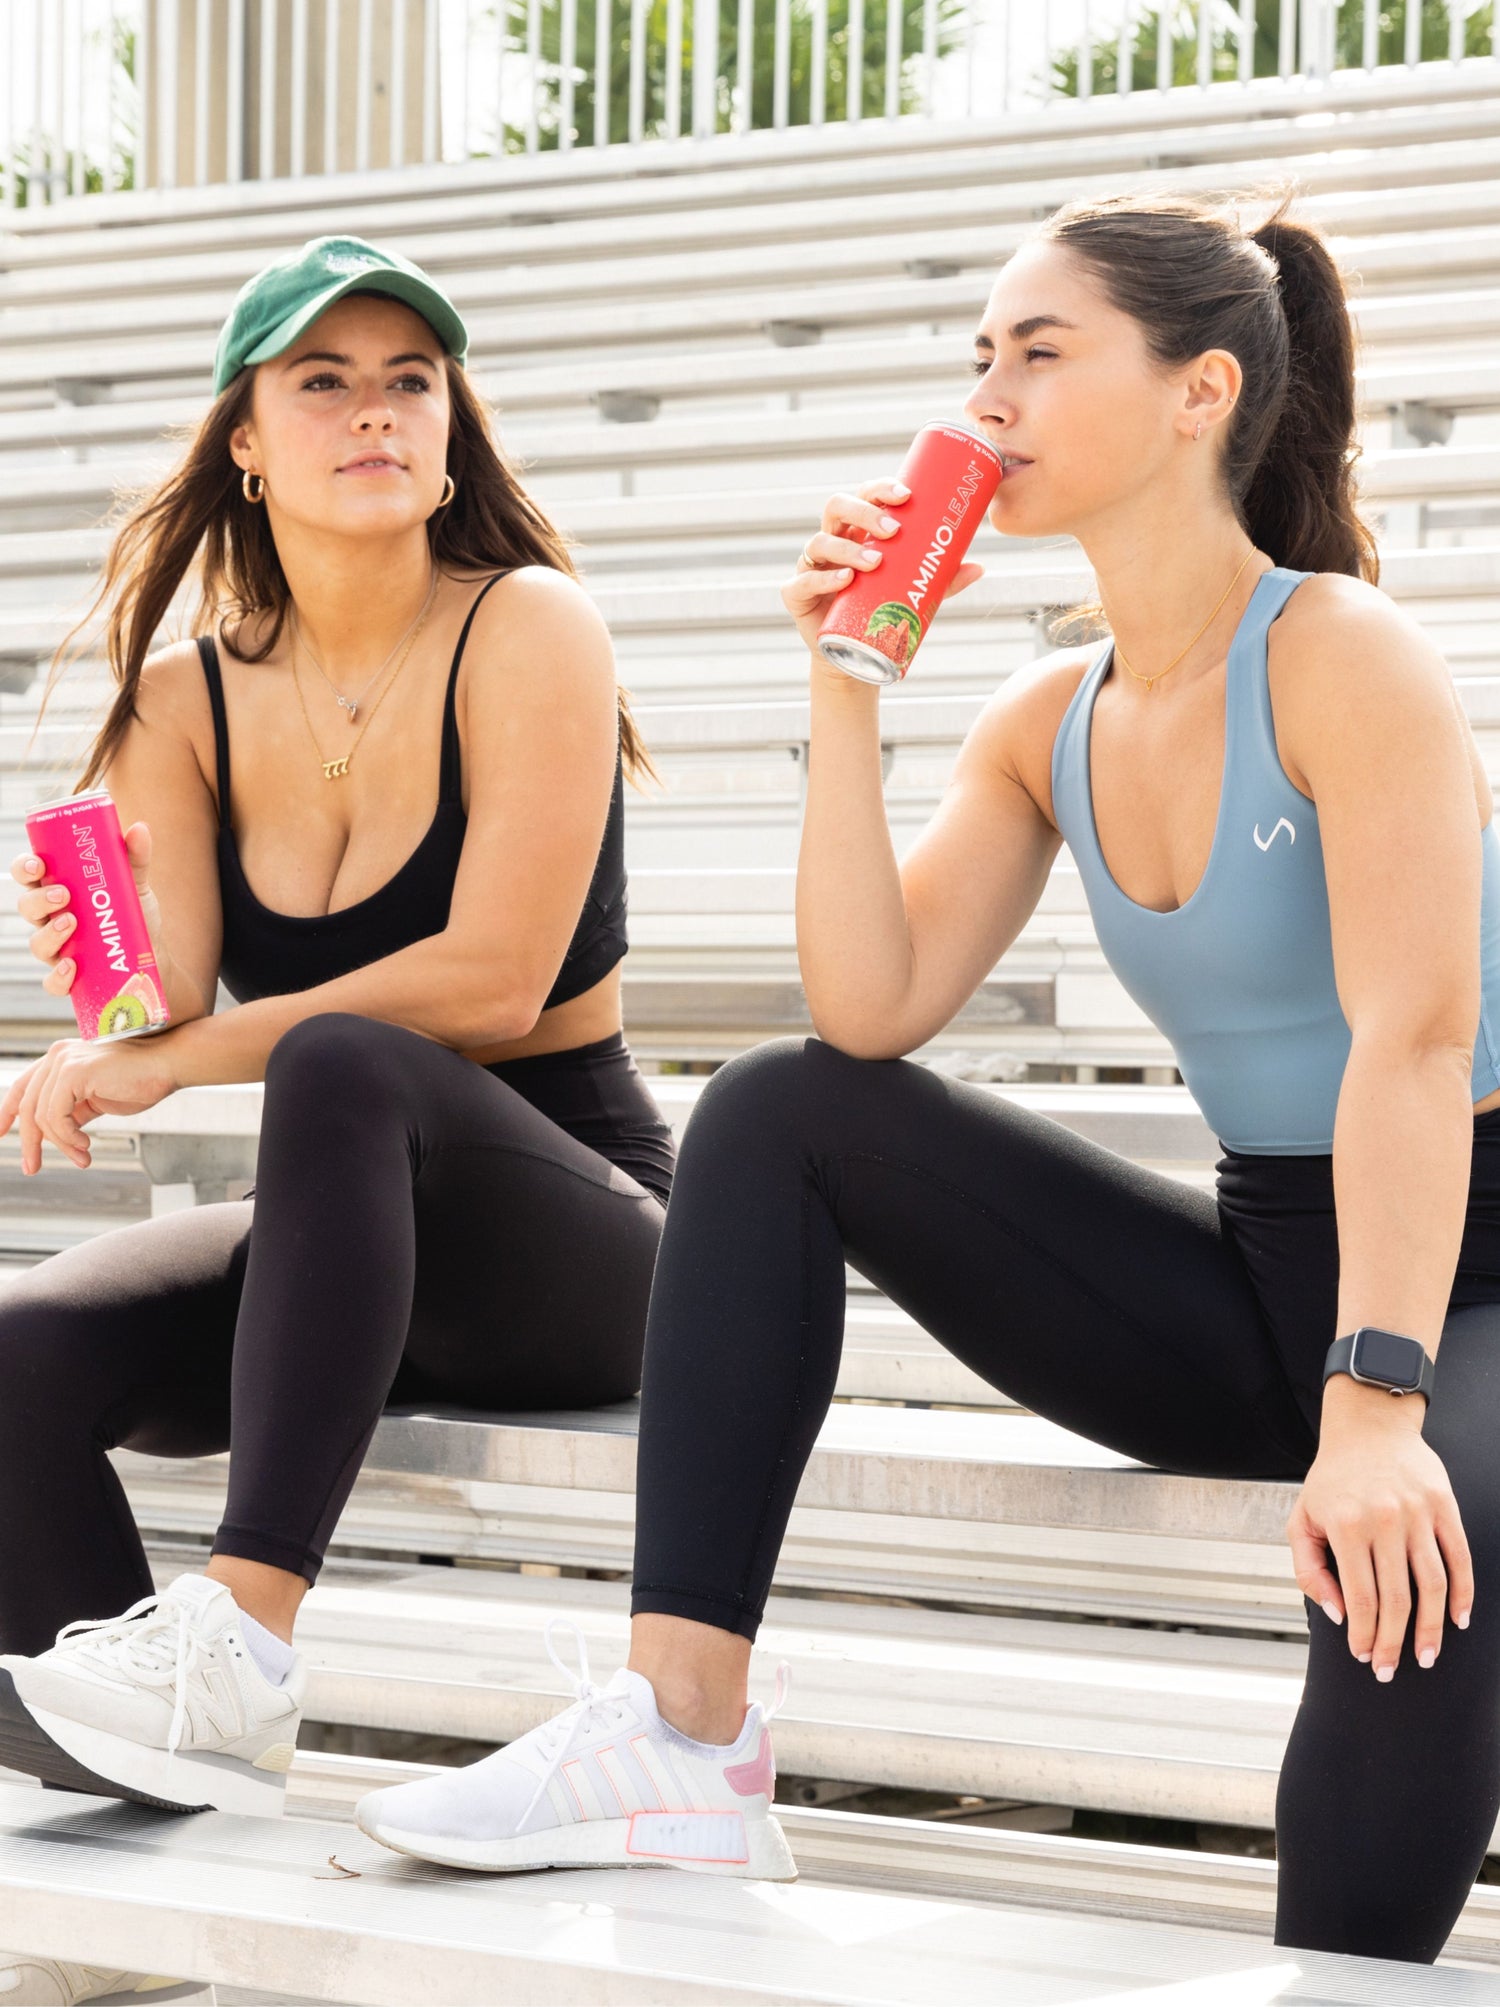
1143 1313
424 1229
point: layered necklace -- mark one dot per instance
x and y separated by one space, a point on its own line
336 769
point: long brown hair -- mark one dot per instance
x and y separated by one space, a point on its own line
198 515
1184 267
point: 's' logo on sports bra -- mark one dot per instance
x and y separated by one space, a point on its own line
1265 842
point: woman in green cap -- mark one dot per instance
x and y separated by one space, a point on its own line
411 880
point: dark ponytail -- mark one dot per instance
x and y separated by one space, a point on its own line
1184 267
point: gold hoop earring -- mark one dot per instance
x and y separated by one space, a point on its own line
452 486
245 479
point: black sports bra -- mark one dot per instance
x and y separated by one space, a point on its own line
266 953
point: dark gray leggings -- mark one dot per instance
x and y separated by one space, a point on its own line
1182 1328
423 1229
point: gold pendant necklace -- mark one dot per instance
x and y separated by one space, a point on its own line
1150 680
337 769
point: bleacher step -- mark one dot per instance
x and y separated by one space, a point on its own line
1118 1718
257 1902
1052 1871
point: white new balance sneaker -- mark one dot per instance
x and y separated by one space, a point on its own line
164 1704
57 1982
606 1783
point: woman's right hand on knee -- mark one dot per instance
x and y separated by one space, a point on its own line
44 904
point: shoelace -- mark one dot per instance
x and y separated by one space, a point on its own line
590 1707
134 1643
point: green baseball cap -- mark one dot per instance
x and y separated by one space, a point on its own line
274 307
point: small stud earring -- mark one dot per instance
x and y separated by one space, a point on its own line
1198 429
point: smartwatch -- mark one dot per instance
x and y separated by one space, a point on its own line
1382 1359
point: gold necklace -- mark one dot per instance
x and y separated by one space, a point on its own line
1149 680
352 704
337 769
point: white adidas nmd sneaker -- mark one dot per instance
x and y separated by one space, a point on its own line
58 1982
163 1704
606 1783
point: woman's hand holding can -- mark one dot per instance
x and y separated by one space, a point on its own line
45 905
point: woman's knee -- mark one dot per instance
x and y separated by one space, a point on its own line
334 1051
782 1081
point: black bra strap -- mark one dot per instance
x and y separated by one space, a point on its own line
450 785
209 656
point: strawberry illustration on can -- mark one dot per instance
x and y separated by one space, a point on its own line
875 625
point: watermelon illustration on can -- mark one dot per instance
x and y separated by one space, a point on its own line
875 625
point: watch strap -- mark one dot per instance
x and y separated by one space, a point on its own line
1340 1359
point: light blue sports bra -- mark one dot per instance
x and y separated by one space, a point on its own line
1240 978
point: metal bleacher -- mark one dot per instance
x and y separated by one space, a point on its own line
975 1603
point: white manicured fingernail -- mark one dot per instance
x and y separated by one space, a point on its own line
1332 1610
1426 1656
1462 1620
1364 1657
1385 1672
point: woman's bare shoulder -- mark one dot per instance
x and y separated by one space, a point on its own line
1018 726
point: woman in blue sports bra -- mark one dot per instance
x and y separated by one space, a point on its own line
380 798
1305 900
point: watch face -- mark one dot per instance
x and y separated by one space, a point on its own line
1387 1356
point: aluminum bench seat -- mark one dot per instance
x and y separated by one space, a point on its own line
1435 142
993 1508
254 1902
48 347
171 294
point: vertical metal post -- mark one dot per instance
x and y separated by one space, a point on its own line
706 68
1246 52
297 161
744 92
929 49
638 71
855 98
76 163
781 65
603 72
1125 54
569 53
396 142
331 37
265 145
533 72
430 78
674 69
364 58
1086 67
817 110
893 24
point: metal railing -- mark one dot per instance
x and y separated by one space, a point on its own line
108 94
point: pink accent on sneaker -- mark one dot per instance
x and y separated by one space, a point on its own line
760 1776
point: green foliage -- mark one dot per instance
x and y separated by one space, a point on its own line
1180 21
50 160
951 22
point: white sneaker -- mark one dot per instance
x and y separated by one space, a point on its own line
163 1704
606 1783
57 1982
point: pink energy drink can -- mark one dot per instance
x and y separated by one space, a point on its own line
116 990
875 625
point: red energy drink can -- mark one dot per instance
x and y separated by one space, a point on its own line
116 990
875 624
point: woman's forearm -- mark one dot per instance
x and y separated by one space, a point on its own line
434 986
1402 1151
853 941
